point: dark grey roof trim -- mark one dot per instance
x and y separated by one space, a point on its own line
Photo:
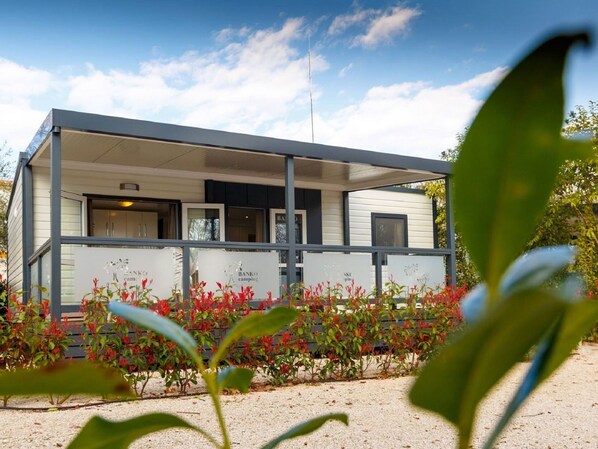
221 139
403 189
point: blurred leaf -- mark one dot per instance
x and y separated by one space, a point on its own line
455 381
306 428
65 378
577 320
474 304
530 270
510 158
159 324
535 267
99 433
234 377
255 325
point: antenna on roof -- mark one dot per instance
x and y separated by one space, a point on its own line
311 99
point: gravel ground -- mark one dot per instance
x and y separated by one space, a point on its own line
563 413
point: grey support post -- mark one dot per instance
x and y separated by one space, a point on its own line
289 186
27 229
346 220
450 234
55 223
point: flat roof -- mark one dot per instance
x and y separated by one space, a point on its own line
98 142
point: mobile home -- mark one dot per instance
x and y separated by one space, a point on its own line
114 199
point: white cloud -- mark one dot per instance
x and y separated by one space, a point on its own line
379 25
391 23
256 84
18 125
240 87
343 22
414 119
118 93
227 34
18 83
19 86
343 72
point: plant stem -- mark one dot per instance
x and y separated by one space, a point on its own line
212 387
209 379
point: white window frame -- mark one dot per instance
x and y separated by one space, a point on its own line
83 200
185 216
301 212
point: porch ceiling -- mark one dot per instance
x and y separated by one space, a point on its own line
99 152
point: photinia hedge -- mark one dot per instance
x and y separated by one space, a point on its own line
340 331
29 337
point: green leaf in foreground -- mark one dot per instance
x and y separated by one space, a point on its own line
255 325
455 381
306 428
577 320
157 323
510 158
65 378
100 433
234 377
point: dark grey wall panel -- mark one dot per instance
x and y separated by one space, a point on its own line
269 197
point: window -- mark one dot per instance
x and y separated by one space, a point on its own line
278 230
389 230
138 218
245 224
203 222
278 226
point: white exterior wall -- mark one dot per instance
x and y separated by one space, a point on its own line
417 207
332 218
71 225
81 182
15 238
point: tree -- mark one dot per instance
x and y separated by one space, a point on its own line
571 216
6 172
466 271
572 213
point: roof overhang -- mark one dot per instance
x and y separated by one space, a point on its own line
101 143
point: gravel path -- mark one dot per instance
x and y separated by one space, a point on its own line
563 413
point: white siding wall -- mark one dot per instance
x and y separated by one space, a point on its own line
417 207
71 225
81 182
15 238
332 218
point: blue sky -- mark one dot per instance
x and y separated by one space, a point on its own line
402 77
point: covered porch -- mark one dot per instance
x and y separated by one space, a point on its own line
201 186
